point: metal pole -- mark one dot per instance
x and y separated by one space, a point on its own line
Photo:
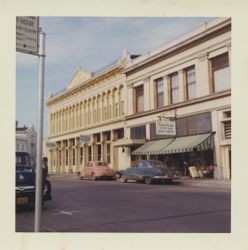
38 181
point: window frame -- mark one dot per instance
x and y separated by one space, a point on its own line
219 62
188 84
138 92
173 89
159 94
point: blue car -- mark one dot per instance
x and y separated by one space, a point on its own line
148 171
25 181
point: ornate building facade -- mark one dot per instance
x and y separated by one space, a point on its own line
26 140
111 115
86 118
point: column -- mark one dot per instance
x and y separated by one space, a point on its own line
147 99
166 91
129 107
203 85
181 85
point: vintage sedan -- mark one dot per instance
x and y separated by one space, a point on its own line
25 181
96 170
148 171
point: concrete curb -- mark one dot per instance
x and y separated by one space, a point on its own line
210 183
184 181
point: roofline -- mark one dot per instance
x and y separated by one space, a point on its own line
50 100
202 32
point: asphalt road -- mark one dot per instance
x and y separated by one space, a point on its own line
109 206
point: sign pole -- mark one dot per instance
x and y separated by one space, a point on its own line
38 189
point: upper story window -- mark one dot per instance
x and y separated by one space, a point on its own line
138 132
190 83
159 93
221 73
118 133
174 88
226 121
139 98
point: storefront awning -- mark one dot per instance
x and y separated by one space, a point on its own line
189 143
128 142
176 145
152 147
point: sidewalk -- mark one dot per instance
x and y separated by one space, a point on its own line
184 181
213 183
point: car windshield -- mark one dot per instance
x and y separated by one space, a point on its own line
22 160
101 164
155 164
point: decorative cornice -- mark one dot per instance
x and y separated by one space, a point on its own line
94 80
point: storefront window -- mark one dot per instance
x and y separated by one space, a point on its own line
108 154
118 134
89 153
138 132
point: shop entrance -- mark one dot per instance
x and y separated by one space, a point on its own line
202 160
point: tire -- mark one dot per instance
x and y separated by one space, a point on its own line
81 177
148 180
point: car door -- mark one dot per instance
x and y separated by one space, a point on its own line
145 169
132 172
88 169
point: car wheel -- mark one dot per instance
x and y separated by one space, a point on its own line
81 177
123 179
148 180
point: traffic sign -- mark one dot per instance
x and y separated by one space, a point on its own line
27 31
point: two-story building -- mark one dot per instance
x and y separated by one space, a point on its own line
87 117
188 81
111 115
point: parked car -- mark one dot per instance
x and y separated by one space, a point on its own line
148 171
25 181
96 170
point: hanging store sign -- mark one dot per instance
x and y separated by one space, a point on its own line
85 138
27 33
50 144
165 127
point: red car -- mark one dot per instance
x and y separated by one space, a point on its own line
96 170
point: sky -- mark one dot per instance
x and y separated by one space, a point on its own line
91 43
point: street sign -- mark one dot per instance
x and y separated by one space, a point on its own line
27 30
165 127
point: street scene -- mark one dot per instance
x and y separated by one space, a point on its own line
128 138
112 207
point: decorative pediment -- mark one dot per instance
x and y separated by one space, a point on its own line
79 76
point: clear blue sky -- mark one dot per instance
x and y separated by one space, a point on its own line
92 43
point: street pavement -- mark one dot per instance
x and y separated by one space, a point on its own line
110 206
